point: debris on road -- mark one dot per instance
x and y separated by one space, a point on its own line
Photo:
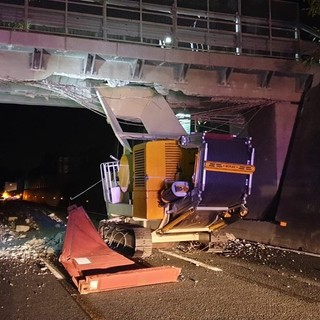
22 228
20 237
15 227
34 248
241 249
247 249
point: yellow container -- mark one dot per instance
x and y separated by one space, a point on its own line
155 162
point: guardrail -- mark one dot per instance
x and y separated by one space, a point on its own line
273 31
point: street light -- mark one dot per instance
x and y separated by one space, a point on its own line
167 40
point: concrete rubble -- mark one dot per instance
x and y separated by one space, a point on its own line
14 227
242 249
22 228
34 249
248 250
19 243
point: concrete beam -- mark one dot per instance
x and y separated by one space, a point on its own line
21 39
200 74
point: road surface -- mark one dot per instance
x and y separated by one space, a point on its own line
252 281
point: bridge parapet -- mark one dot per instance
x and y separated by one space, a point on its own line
230 50
271 29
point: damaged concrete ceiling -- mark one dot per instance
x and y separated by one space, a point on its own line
61 71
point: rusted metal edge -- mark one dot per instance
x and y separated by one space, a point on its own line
126 279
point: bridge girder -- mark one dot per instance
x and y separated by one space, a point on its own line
29 57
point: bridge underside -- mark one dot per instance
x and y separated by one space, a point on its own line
253 95
58 70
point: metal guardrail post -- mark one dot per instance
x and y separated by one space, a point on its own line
174 23
238 29
270 29
208 24
140 22
66 18
104 20
238 33
297 37
26 14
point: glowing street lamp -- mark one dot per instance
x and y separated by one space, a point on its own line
168 40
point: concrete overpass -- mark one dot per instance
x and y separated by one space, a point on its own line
216 52
203 58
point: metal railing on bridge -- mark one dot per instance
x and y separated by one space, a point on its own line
270 28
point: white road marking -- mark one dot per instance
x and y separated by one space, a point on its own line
294 251
197 263
53 270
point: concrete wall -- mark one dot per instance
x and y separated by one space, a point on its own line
271 130
299 201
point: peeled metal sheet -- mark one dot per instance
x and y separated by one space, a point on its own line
141 105
94 267
83 248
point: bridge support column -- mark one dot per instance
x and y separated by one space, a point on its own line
271 131
285 115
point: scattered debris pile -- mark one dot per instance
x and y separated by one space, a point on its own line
252 250
34 249
19 236
240 248
14 226
220 243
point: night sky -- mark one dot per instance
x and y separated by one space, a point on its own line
33 137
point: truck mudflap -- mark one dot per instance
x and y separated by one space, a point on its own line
95 267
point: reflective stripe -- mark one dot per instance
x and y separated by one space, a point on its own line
229 167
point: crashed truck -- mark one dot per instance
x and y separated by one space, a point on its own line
169 186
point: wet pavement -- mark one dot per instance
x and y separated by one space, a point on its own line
249 281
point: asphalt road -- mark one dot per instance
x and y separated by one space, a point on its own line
273 285
253 282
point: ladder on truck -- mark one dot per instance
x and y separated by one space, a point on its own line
109 173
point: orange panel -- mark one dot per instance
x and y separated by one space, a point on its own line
95 267
127 279
154 163
83 248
